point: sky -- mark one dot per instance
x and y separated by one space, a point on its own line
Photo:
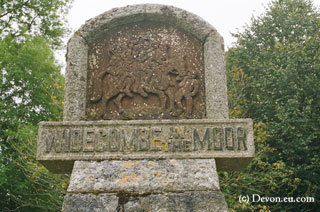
227 16
224 15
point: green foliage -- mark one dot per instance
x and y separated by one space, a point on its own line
274 75
36 189
262 177
34 17
30 86
31 90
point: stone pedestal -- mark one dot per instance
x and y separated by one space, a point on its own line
145 185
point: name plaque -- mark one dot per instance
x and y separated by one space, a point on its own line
61 143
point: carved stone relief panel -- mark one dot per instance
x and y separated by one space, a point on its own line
145 70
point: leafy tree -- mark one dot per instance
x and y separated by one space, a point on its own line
34 17
274 73
31 90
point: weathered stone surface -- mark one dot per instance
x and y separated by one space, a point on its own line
216 93
90 203
193 201
76 80
152 71
154 139
190 201
146 12
144 176
78 97
133 206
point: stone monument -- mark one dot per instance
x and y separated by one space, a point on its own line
145 124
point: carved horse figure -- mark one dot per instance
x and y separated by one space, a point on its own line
157 75
118 81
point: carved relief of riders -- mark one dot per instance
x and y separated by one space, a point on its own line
143 67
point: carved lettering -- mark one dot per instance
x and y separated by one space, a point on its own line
145 139
128 143
66 141
114 140
156 143
88 140
242 137
101 140
53 140
176 145
186 145
76 141
217 138
229 135
198 142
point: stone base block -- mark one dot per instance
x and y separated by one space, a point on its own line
144 176
191 201
145 186
90 203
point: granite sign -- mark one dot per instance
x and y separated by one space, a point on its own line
125 138
146 123
227 139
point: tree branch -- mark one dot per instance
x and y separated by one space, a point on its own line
18 8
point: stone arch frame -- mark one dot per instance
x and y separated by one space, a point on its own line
213 47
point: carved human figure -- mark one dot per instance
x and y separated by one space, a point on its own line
170 91
188 87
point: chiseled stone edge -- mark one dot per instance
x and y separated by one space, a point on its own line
146 12
144 176
90 202
196 201
76 79
214 67
170 122
61 166
63 162
215 77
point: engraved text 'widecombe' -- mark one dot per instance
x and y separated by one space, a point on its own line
144 139
155 139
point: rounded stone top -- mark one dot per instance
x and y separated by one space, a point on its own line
78 49
177 17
